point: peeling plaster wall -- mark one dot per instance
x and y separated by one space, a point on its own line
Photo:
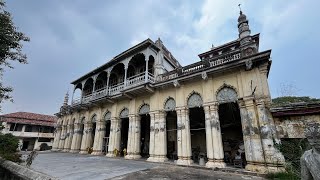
293 126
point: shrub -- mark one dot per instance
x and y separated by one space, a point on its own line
8 147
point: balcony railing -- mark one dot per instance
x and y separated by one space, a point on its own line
116 89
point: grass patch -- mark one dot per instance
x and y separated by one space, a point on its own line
283 175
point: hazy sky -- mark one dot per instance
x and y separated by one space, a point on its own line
69 39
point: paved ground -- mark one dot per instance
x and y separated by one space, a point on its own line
68 166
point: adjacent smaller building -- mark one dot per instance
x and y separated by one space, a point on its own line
35 131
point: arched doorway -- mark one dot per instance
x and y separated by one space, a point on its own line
197 127
107 119
93 129
124 117
231 129
145 130
171 124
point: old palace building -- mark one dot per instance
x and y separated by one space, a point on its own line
144 104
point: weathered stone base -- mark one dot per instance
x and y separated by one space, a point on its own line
74 151
157 159
215 163
133 156
187 161
83 151
97 153
110 154
65 150
257 167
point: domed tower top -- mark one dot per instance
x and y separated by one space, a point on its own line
243 28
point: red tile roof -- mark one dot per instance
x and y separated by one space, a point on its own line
29 118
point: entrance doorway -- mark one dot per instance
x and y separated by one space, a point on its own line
124 135
145 135
25 145
198 133
232 137
171 122
106 137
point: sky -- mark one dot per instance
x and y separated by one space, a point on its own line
71 38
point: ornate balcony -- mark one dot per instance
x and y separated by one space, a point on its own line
117 89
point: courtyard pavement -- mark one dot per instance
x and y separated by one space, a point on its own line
68 166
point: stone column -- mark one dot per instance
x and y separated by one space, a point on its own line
69 138
55 146
77 138
98 138
209 141
146 73
179 135
152 143
218 154
133 146
115 136
161 155
62 137
85 138
137 137
258 160
273 157
185 137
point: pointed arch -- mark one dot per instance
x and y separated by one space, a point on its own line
93 118
124 113
226 94
169 104
194 100
144 109
107 116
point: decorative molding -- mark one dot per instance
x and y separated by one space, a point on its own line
176 83
204 75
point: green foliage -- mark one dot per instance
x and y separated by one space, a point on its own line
285 100
283 175
292 150
8 147
10 48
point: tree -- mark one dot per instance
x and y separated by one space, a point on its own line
280 101
10 48
8 147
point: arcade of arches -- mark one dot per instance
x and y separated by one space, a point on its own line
213 134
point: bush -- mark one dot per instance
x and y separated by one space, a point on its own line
8 147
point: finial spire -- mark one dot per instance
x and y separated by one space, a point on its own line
66 99
240 8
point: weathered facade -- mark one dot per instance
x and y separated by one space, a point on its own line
145 104
34 131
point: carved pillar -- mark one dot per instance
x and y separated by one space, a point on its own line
152 136
162 138
273 156
115 136
57 135
62 137
146 73
209 141
107 86
179 135
69 138
98 138
218 154
185 137
137 137
133 146
125 73
77 137
85 138
258 160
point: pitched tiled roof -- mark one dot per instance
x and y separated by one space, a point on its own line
29 118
